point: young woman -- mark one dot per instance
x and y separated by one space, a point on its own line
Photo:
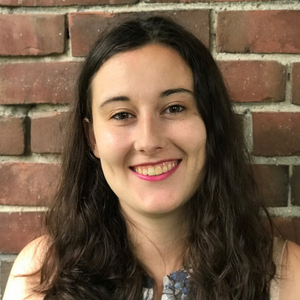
157 197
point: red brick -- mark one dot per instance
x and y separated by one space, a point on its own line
18 229
273 182
4 273
276 133
27 183
288 229
85 28
296 185
36 34
210 1
47 132
296 83
12 141
254 81
62 2
41 82
268 31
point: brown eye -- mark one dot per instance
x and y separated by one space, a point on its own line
122 116
174 109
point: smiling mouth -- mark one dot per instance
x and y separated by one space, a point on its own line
157 169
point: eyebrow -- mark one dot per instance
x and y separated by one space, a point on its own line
165 93
175 91
114 99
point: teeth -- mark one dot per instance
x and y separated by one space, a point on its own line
157 169
151 171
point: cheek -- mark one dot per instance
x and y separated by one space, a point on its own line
192 136
112 145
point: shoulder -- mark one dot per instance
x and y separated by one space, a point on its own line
24 276
290 272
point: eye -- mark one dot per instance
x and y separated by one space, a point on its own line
174 109
122 116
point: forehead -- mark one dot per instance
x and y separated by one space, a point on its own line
150 69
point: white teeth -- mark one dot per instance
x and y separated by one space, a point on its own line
157 169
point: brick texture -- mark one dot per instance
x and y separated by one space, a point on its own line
254 81
276 134
210 1
42 45
41 82
296 83
18 229
47 132
85 28
258 31
288 228
35 34
296 186
27 183
273 183
12 141
63 2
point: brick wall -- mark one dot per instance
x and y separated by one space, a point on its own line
42 43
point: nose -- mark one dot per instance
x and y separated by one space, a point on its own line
149 135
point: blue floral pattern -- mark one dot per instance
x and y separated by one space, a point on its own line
176 286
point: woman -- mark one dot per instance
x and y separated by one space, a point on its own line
156 181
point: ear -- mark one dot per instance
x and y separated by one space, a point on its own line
89 132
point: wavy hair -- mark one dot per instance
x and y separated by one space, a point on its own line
229 250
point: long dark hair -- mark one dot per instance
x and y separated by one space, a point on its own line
229 251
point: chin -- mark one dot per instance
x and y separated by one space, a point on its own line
161 209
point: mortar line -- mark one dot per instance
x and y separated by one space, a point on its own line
21 208
290 186
276 160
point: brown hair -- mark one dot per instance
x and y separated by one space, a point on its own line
229 252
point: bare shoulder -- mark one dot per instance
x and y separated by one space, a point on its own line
29 261
290 274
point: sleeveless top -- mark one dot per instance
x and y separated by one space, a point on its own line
176 285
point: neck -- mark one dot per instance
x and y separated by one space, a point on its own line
158 241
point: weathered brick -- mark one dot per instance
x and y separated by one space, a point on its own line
273 183
296 83
47 132
276 133
85 28
41 82
36 34
268 31
28 183
4 273
296 185
254 81
18 229
189 1
62 2
12 140
287 228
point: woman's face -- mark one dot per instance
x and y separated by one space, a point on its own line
147 131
